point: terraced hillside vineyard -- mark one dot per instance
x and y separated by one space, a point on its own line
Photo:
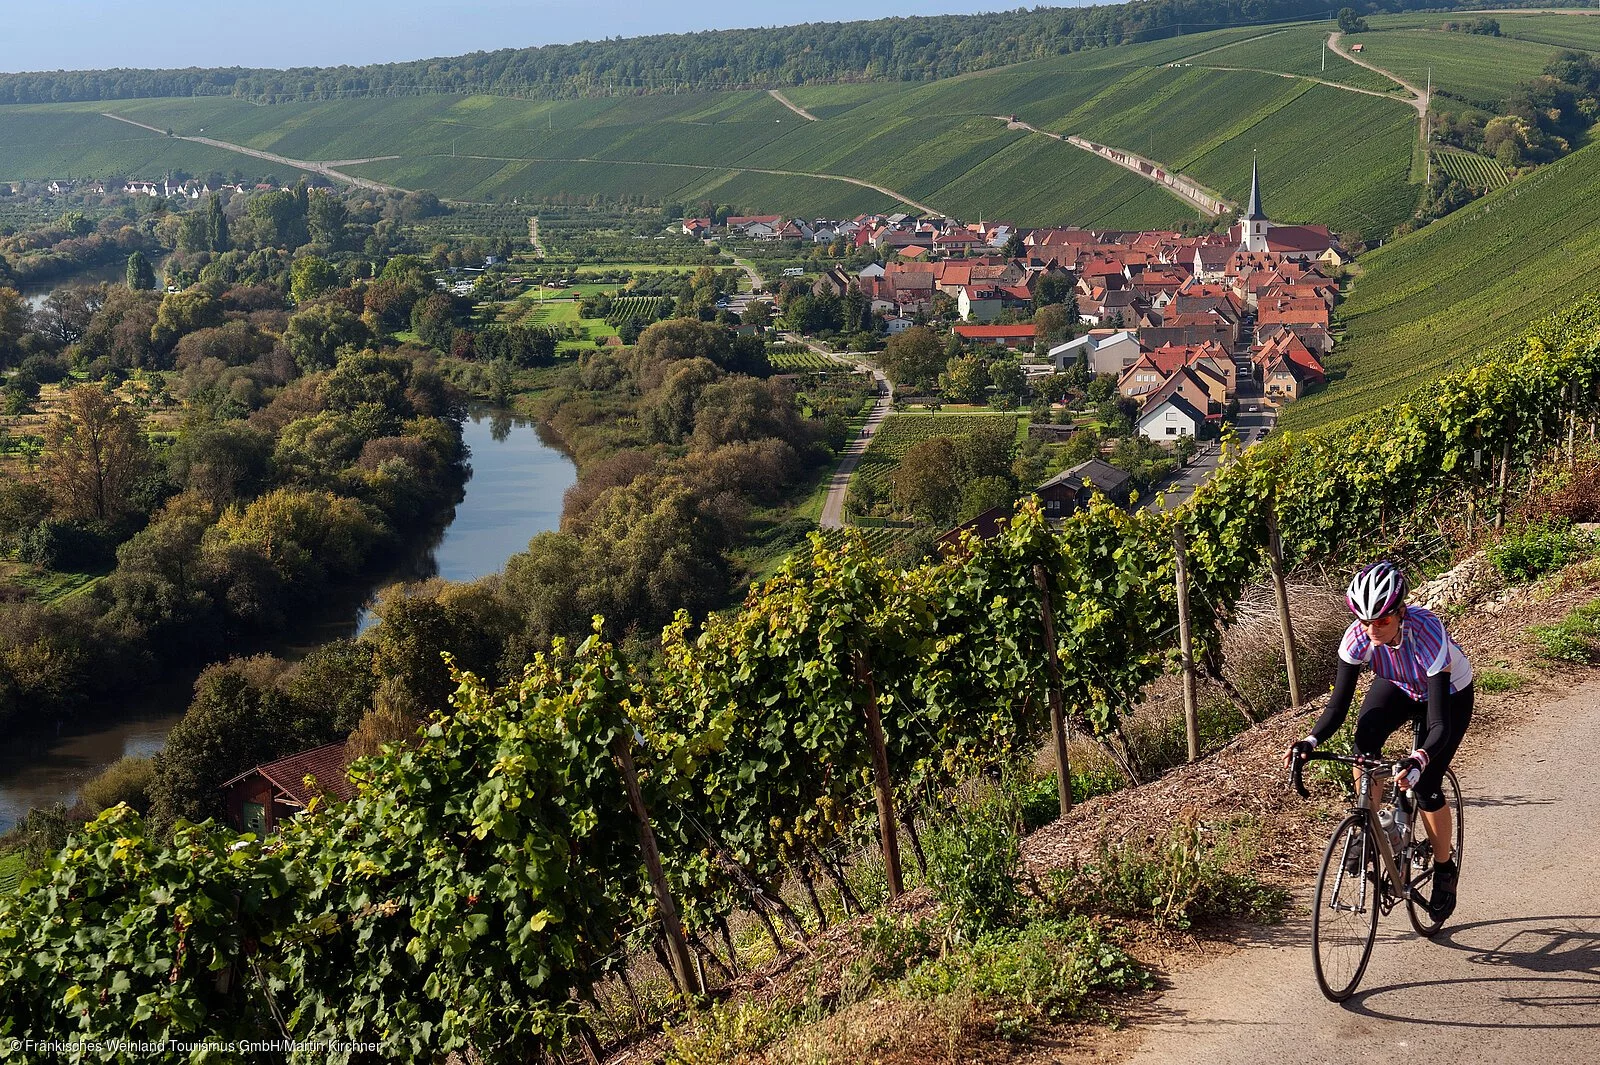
899 432
1470 168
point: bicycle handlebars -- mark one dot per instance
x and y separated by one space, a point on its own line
1375 766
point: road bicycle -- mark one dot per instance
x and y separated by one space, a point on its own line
1376 858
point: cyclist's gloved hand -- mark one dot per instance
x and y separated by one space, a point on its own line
1410 768
1299 750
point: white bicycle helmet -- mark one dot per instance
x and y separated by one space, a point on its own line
1377 589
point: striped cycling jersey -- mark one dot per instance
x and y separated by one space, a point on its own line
1425 649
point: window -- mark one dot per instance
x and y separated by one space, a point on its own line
1172 430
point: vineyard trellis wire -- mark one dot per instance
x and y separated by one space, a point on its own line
485 879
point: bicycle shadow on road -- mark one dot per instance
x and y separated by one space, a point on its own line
1491 801
1538 972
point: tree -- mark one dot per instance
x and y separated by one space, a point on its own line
141 275
327 216
1008 379
315 335
217 238
914 358
1350 22
928 482
1054 287
94 453
1014 248
964 380
310 277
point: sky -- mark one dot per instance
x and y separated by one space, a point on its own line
96 34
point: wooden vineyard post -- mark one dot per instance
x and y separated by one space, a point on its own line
1280 589
880 781
1505 467
1572 426
1191 717
671 926
1058 717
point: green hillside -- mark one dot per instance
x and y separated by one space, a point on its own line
1483 70
1295 50
1449 291
47 142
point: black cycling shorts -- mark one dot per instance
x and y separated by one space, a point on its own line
1387 707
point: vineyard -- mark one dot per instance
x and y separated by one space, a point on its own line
1438 297
793 361
1470 168
487 879
641 310
899 432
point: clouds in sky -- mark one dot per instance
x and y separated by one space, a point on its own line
94 34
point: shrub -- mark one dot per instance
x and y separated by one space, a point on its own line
1178 882
1536 549
125 780
972 869
1575 638
1497 680
1045 970
891 948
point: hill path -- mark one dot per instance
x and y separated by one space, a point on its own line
791 105
533 236
1419 97
839 482
1184 188
1514 975
1320 81
325 169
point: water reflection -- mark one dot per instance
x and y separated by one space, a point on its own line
515 492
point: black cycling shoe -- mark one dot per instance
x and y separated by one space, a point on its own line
1443 903
1352 860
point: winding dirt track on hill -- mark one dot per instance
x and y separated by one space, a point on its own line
1514 975
1419 96
325 169
791 105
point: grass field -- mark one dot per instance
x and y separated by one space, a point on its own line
1442 295
1559 31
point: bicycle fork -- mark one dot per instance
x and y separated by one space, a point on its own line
1389 863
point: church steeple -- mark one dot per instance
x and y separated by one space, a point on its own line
1253 224
1255 214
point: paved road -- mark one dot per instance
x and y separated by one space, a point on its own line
1514 976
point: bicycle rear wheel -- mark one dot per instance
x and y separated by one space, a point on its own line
1344 912
1422 856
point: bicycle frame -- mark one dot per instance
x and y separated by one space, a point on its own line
1399 888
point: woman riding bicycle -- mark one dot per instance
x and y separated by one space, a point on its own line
1421 675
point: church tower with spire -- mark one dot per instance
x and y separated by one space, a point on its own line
1253 224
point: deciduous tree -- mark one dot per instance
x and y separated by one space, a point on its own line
94 452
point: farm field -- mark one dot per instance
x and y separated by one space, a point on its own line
11 870
795 361
1481 70
901 430
1297 50
1442 295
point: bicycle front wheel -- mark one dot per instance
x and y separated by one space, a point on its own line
1344 913
1422 856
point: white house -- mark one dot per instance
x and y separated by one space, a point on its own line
977 304
1171 418
1101 350
899 325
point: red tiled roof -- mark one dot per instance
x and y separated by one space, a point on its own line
327 764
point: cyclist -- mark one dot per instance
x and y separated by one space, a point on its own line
1420 675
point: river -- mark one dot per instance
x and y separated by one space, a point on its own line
515 491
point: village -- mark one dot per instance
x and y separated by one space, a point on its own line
1195 327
